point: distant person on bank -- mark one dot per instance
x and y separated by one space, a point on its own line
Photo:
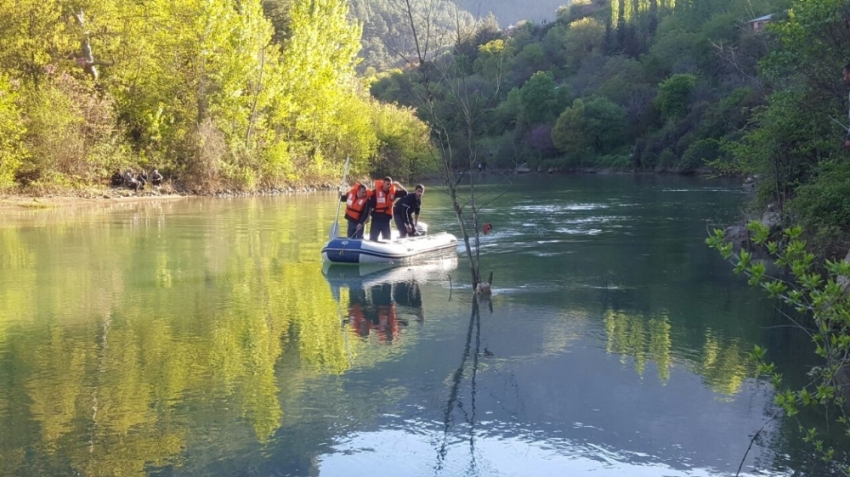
357 207
117 178
130 181
406 212
385 193
156 178
142 178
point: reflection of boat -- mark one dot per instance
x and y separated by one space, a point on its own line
382 297
397 250
369 274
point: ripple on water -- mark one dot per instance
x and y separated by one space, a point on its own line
549 208
569 231
498 448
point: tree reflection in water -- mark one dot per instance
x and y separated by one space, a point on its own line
379 304
455 401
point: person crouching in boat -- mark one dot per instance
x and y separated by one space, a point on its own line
406 212
385 193
357 206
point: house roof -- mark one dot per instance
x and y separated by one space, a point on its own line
762 19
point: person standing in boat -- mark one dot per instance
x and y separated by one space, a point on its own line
357 207
406 212
385 193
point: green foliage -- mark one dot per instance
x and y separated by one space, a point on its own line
674 95
537 100
819 295
793 135
386 37
606 124
554 44
822 205
492 60
403 150
71 135
199 90
33 34
269 87
584 38
699 154
598 125
790 138
504 116
568 133
530 59
12 153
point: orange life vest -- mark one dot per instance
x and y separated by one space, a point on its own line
387 322
354 206
357 320
384 200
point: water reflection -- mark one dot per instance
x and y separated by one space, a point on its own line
202 338
383 298
471 351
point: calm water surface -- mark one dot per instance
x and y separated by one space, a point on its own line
201 337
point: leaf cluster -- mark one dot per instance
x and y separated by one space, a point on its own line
823 297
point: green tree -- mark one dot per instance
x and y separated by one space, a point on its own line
554 44
320 55
568 133
584 38
33 34
605 124
674 95
493 61
597 125
11 129
537 100
403 146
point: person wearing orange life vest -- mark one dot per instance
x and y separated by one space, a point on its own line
385 193
357 206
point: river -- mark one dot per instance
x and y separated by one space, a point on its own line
201 337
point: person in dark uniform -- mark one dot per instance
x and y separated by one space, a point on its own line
117 179
406 212
385 193
357 207
130 181
142 178
156 178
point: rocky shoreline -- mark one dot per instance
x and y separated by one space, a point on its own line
34 198
31 199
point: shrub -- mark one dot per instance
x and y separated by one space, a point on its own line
11 128
821 205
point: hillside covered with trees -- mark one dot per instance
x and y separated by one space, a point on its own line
658 86
215 94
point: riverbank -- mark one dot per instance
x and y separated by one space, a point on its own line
17 199
56 198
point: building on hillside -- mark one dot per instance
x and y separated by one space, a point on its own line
757 24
